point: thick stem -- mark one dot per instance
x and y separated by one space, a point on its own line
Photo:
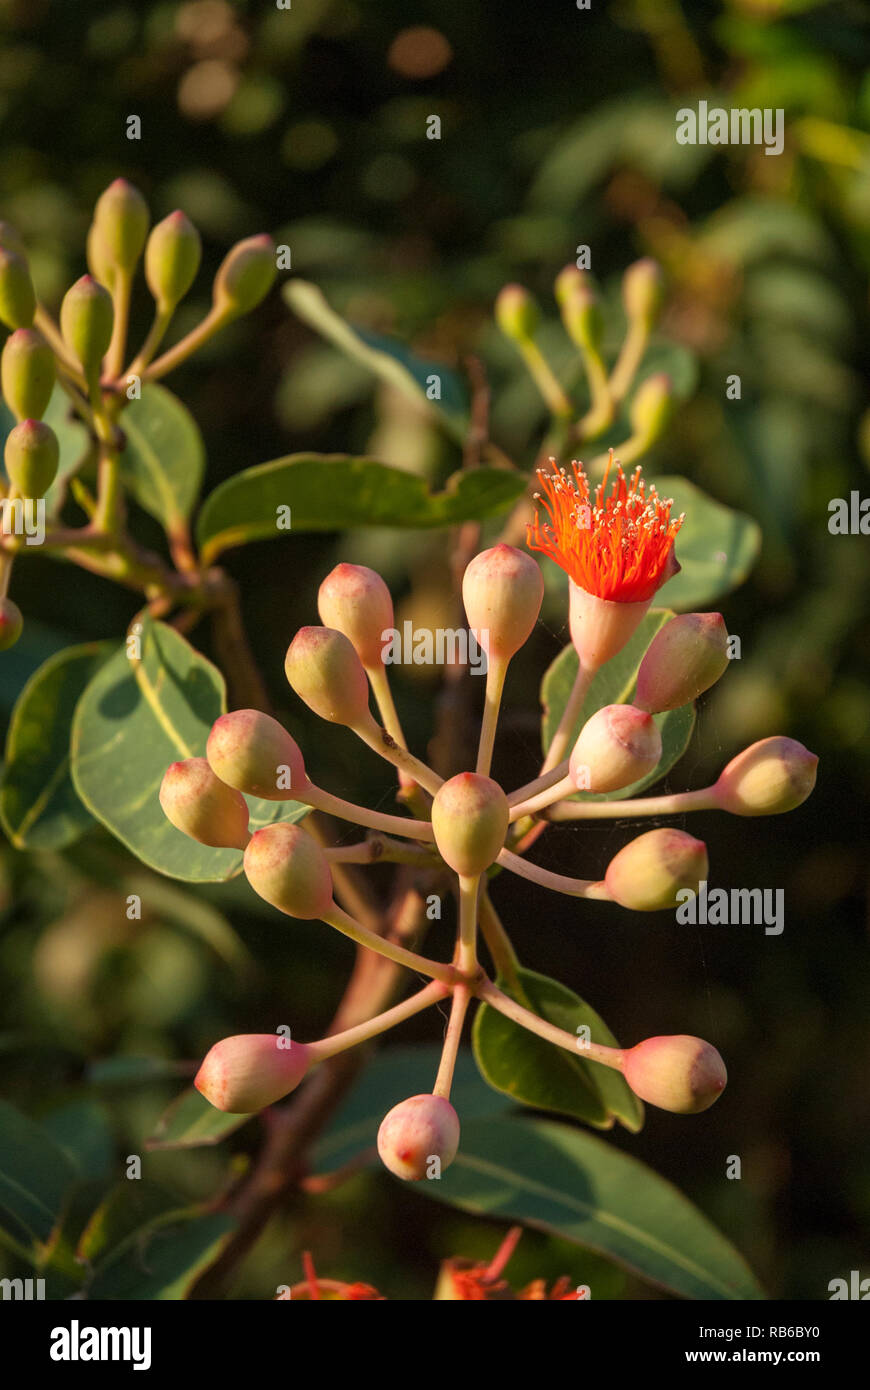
351 1037
496 671
593 1052
121 290
211 324
560 883
361 815
702 800
469 889
499 945
562 737
344 923
383 743
547 797
539 784
381 849
452 1039
160 323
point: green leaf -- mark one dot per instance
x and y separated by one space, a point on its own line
190 1121
392 1075
82 1130
332 492
39 807
572 1184
614 685
164 458
127 1207
716 547
388 359
35 1174
126 1071
133 720
164 1259
534 1072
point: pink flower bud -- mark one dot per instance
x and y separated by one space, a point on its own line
680 1073
618 745
767 778
255 754
684 659
355 600
247 1072
470 818
416 1132
11 623
201 806
647 873
287 868
325 671
502 590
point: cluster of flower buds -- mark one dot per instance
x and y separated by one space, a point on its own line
84 350
617 552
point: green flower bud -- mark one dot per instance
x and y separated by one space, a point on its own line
769 777
568 282
517 314
27 373
325 671
682 1074
287 868
86 319
245 1073
651 408
203 807
415 1132
502 590
581 315
17 295
647 874
245 276
355 600
618 745
470 818
100 263
11 623
172 258
643 291
121 224
32 455
255 754
684 659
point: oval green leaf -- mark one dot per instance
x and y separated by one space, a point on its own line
534 1072
571 1184
614 685
191 1121
332 492
133 720
164 458
716 547
39 806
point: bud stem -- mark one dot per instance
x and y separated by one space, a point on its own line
361 815
539 784
546 380
452 1039
331 1045
630 357
380 849
160 323
677 802
469 889
499 945
191 343
593 1052
51 333
383 743
560 883
122 286
343 922
570 715
542 799
496 671
380 685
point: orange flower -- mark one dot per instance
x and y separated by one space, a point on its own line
618 547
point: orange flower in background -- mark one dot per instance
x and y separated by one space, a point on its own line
619 546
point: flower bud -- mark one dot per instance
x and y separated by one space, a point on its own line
647 873
684 659
247 1072
27 373
325 671
11 623
245 276
568 282
767 778
600 627
681 1073
121 224
618 745
31 456
516 313
17 296
287 868
203 807
415 1132
99 262
172 258
470 818
581 315
355 600
651 408
86 319
643 291
502 590
255 754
